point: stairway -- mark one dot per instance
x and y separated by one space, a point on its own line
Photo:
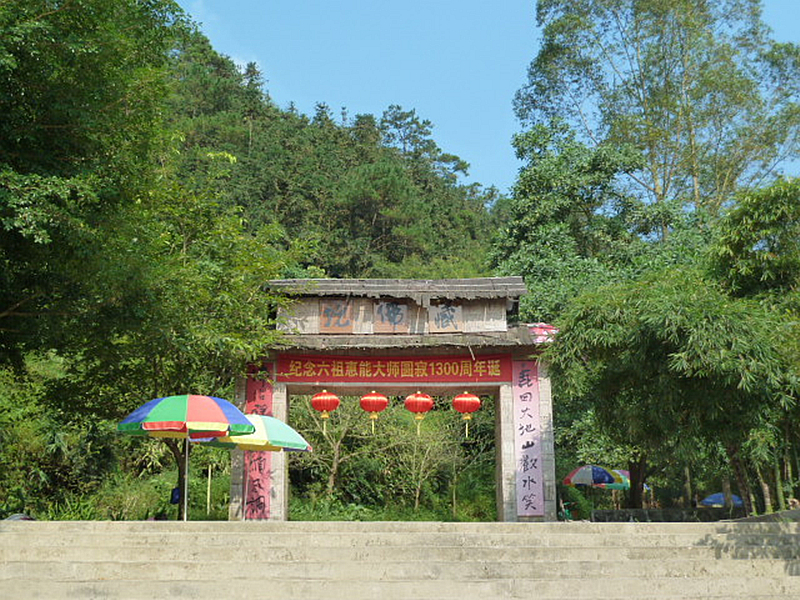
386 561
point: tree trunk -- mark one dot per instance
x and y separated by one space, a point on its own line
180 459
796 468
454 495
335 460
781 497
765 492
688 487
753 501
726 492
637 469
686 109
741 479
788 473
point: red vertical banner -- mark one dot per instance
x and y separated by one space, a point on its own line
528 439
258 465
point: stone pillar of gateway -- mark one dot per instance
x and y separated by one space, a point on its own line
398 336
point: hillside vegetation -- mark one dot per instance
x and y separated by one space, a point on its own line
149 187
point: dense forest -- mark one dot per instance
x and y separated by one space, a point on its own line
149 187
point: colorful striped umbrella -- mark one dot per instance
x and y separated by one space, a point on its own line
185 416
625 484
593 476
270 435
188 416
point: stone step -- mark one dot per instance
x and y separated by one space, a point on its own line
412 540
531 535
371 527
79 550
354 561
308 588
200 569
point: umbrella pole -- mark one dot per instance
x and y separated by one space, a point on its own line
186 480
246 482
208 493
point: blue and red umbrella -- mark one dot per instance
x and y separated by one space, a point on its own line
592 476
625 484
188 416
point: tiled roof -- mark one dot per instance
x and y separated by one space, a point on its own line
515 337
420 290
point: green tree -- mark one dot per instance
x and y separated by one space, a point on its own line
148 188
757 249
644 118
365 198
755 254
570 227
179 307
80 95
392 470
81 86
710 102
669 359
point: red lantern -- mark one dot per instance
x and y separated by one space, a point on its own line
374 403
325 402
419 404
466 404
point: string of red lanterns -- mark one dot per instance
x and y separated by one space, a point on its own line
418 403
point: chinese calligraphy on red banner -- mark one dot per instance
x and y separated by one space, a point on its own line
310 369
527 439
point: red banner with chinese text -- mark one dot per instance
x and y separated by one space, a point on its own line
442 369
258 465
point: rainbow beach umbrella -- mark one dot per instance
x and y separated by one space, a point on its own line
186 417
270 435
592 476
625 484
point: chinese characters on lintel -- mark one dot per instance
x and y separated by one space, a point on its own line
444 318
336 316
391 317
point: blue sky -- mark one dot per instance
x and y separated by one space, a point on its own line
458 63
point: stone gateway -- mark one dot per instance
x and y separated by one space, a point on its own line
398 336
